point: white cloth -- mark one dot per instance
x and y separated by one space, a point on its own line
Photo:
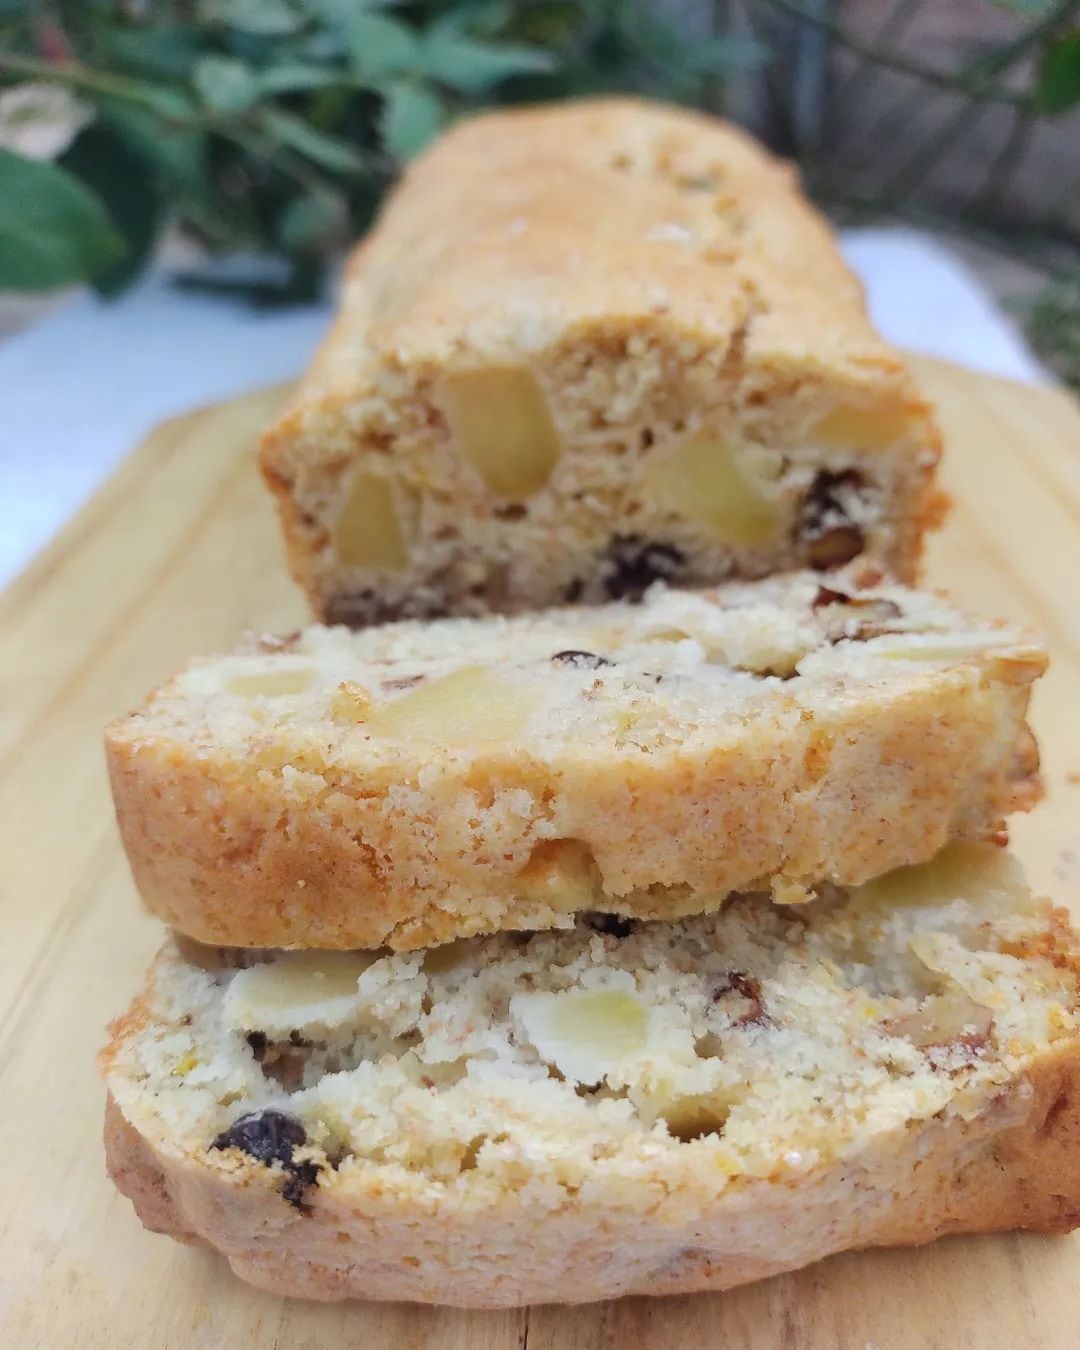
82 387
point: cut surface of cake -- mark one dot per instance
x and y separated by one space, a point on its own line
620 1108
588 347
415 783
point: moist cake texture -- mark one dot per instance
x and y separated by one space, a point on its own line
620 1108
417 782
588 347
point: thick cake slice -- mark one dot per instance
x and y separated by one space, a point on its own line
586 347
619 1109
415 783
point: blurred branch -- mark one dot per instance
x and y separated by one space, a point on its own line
979 80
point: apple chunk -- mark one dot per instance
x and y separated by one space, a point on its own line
702 480
502 425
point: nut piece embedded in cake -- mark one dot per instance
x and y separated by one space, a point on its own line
945 1019
501 425
702 480
299 991
585 1033
368 532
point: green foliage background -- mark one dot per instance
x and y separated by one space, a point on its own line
275 126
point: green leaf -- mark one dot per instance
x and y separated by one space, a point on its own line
411 117
268 18
53 229
472 66
311 224
105 162
296 77
340 11
177 155
1058 87
157 53
226 84
329 152
380 46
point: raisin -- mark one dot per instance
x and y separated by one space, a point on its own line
831 535
301 1176
257 1041
613 925
268 1136
272 1137
576 658
634 564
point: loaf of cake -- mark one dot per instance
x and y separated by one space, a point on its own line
618 1109
418 782
588 347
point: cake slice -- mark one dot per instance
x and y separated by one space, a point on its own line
415 783
617 1109
587 347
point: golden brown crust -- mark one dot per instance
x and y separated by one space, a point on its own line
656 271
374 1235
233 856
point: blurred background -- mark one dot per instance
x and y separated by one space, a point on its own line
202 164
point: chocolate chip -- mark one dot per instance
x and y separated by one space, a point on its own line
573 592
576 658
633 564
268 1136
831 536
612 925
257 1041
301 1042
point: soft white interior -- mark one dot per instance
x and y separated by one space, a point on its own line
769 1039
677 667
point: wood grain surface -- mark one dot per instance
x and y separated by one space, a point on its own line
177 554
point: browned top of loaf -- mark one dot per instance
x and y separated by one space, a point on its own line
597 220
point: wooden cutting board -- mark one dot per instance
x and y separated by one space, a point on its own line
177 554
